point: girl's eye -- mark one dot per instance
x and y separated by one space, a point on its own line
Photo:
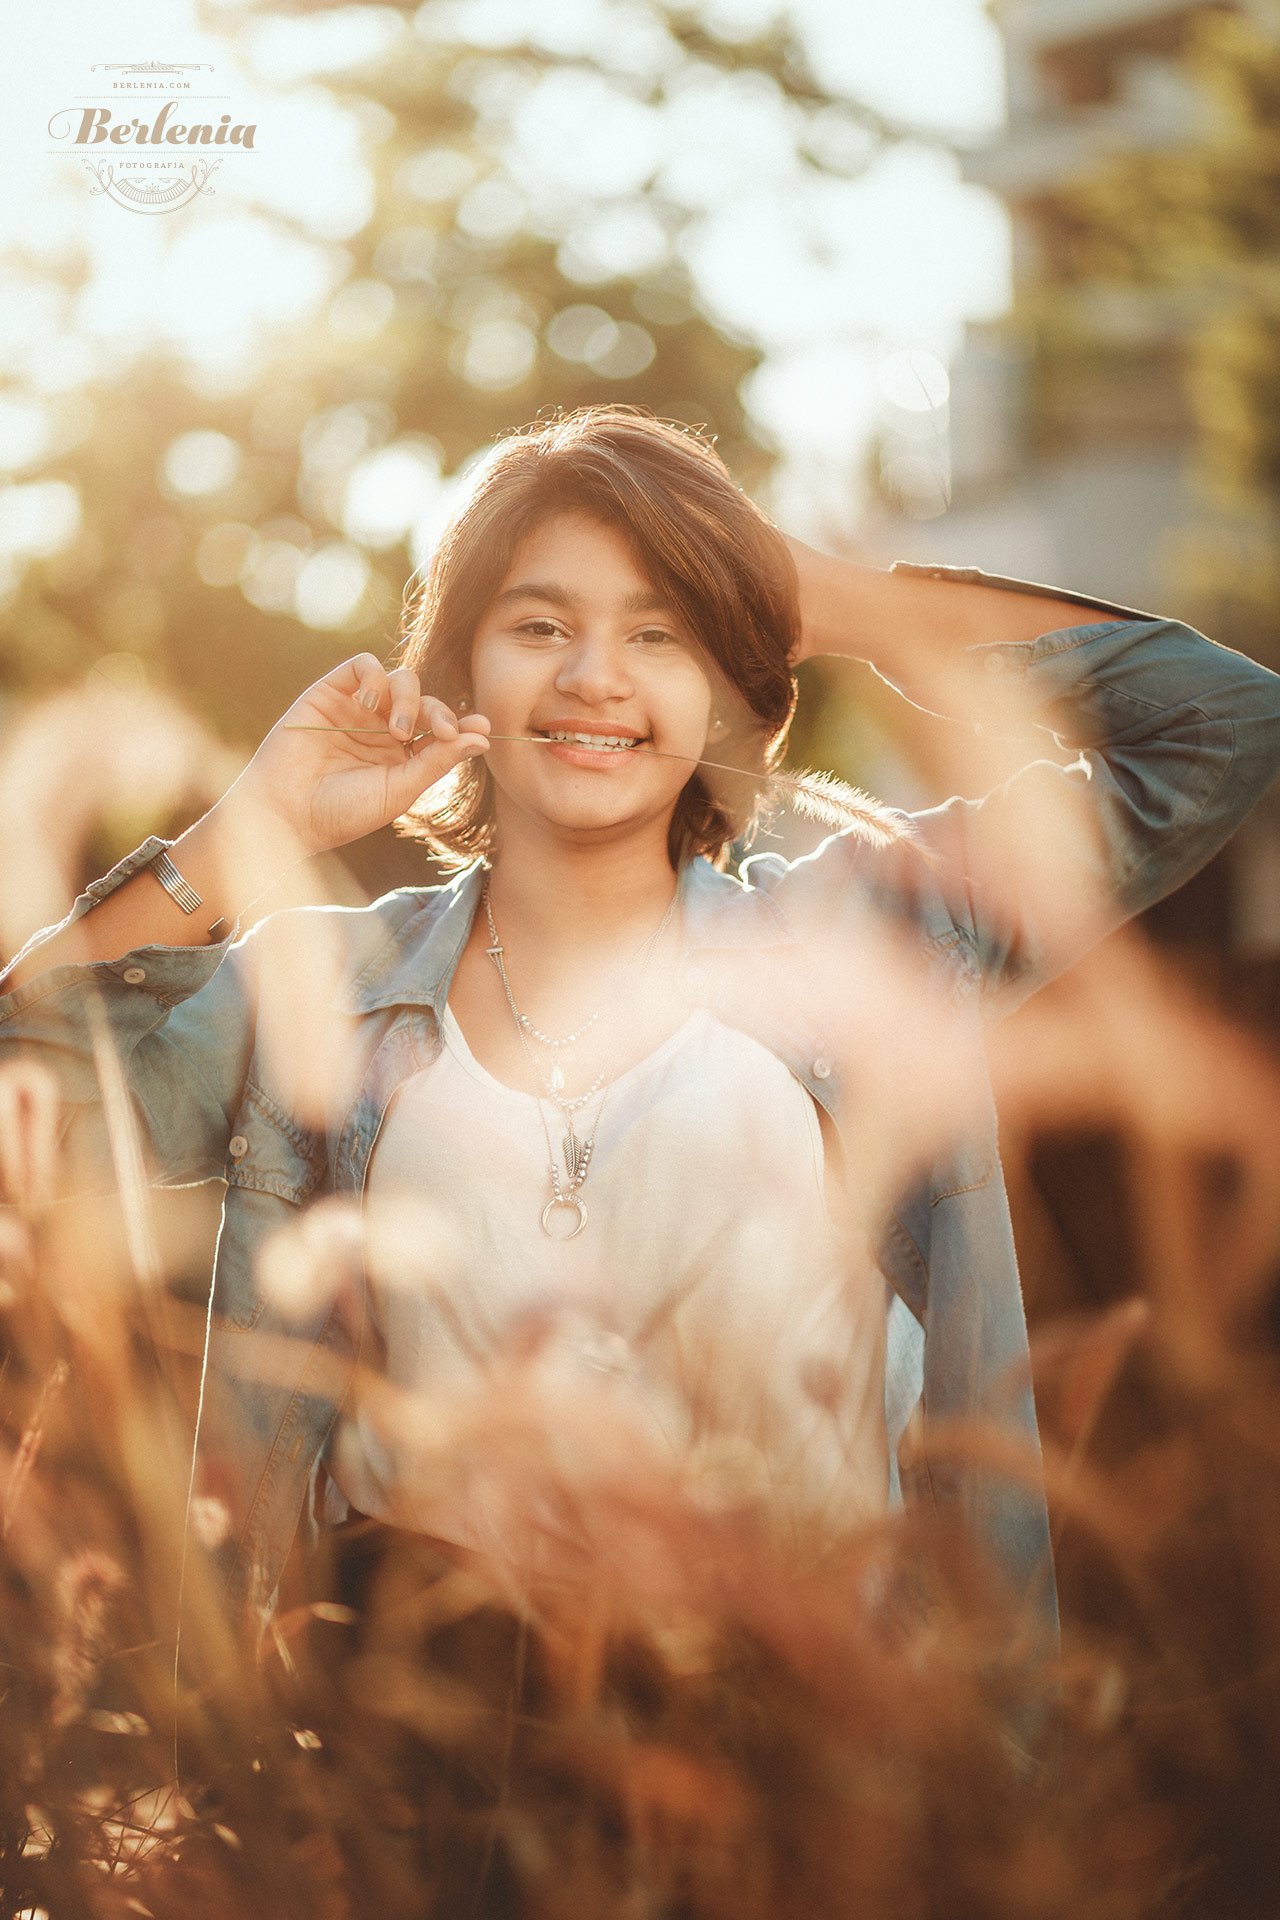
540 629
656 637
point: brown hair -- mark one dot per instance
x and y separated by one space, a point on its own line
723 565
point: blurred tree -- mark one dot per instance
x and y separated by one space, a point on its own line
234 544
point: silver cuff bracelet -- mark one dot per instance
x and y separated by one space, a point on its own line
174 884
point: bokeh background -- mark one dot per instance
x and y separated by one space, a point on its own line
994 285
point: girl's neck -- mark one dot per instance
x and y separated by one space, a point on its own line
556 898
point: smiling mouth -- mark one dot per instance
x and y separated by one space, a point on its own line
592 742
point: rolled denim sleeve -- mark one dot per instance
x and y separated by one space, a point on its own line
1176 740
180 1019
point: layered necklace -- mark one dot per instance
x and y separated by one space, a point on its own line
577 1150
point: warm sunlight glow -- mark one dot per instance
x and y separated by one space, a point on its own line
815 268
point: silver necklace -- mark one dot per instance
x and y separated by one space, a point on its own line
577 1152
554 1081
570 1039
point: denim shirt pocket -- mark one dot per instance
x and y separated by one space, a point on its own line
966 1170
273 1167
954 950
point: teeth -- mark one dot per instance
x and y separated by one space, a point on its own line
613 742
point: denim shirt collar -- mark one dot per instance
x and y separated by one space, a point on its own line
414 966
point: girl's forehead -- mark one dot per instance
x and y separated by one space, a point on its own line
571 546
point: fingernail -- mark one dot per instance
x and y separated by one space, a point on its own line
400 722
369 699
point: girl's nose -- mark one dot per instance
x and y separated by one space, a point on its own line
595 668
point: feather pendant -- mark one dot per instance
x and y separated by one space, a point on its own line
576 1154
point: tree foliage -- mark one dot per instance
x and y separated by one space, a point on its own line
235 568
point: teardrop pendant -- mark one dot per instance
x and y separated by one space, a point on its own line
556 1082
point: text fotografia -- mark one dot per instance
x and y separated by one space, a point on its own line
96 128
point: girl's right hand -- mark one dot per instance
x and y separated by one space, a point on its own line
354 751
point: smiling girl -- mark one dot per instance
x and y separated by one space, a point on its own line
631 1086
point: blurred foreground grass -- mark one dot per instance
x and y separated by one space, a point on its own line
679 1716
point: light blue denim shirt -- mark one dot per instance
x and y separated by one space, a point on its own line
1177 739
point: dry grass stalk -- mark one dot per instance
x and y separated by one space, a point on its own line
676 1713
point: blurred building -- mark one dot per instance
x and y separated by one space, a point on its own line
1066 451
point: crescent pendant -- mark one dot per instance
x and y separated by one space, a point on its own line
564 1200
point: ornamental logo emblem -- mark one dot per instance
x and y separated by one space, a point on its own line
163 155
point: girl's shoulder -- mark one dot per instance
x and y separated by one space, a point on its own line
893 864
395 949
854 875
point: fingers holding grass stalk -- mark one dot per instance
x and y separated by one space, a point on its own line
354 751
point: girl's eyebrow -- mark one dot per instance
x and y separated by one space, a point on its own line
643 600
547 590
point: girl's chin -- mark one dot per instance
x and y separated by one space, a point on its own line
596 809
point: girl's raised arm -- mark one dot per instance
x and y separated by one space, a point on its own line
913 624
1175 738
310 787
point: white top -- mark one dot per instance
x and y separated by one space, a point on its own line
710 1290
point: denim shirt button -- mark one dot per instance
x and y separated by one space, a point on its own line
994 663
237 1146
134 976
822 1068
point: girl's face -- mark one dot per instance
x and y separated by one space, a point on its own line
578 646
